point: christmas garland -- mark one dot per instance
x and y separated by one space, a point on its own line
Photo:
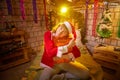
9 7
95 17
34 10
22 8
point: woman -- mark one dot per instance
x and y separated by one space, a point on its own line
57 43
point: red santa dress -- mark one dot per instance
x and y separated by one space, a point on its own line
51 50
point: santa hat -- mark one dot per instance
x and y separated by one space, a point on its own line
70 29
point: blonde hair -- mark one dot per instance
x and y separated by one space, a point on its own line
55 27
67 25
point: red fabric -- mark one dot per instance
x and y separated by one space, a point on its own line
95 17
73 30
50 50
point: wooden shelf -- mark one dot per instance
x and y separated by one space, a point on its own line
17 52
109 76
18 36
107 64
109 60
12 34
16 56
9 41
12 64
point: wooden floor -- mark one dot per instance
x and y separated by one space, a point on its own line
15 73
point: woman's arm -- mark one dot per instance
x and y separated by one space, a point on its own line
50 47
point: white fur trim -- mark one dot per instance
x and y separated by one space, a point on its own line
59 53
69 27
61 50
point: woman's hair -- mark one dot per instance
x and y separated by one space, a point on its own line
55 27
58 25
67 25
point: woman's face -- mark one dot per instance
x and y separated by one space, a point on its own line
62 31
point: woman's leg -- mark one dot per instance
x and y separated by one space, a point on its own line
75 68
46 73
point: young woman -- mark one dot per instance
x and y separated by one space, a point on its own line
58 43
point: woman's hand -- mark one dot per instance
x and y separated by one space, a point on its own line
70 45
